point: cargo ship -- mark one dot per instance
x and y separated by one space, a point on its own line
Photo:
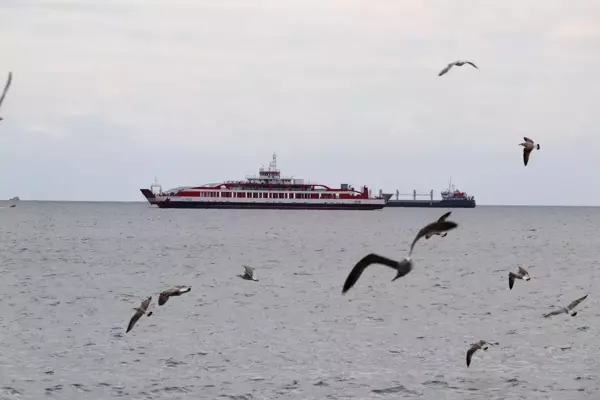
451 198
268 190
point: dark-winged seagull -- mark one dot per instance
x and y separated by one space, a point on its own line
8 82
568 309
434 228
482 344
248 274
139 311
402 268
521 274
442 218
176 290
528 146
458 64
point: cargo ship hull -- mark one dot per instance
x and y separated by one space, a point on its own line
432 204
451 198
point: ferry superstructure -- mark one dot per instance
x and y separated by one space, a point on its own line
268 190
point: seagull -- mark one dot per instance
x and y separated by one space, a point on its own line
482 344
458 64
442 218
568 309
434 228
528 145
403 267
176 290
141 310
8 82
521 274
248 274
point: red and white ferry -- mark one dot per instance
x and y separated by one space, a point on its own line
268 190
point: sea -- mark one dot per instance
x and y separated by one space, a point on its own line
71 274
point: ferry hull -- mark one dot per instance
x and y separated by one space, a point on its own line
432 204
174 203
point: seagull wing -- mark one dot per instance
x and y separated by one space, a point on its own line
442 72
249 270
443 217
134 319
365 262
527 139
433 227
164 296
470 353
145 304
8 82
511 280
575 303
552 313
469 62
523 272
526 153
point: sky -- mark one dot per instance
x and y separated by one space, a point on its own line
108 94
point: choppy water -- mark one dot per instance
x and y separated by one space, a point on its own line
72 272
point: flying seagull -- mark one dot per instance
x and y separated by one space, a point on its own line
248 274
458 64
139 311
442 218
176 290
521 274
568 309
402 268
528 146
434 228
8 82
482 344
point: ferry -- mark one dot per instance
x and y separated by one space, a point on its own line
268 190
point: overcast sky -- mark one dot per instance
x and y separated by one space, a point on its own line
107 94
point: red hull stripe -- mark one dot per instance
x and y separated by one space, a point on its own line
269 206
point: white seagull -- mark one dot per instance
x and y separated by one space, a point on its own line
528 145
176 290
482 344
248 274
8 82
458 64
521 274
568 309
